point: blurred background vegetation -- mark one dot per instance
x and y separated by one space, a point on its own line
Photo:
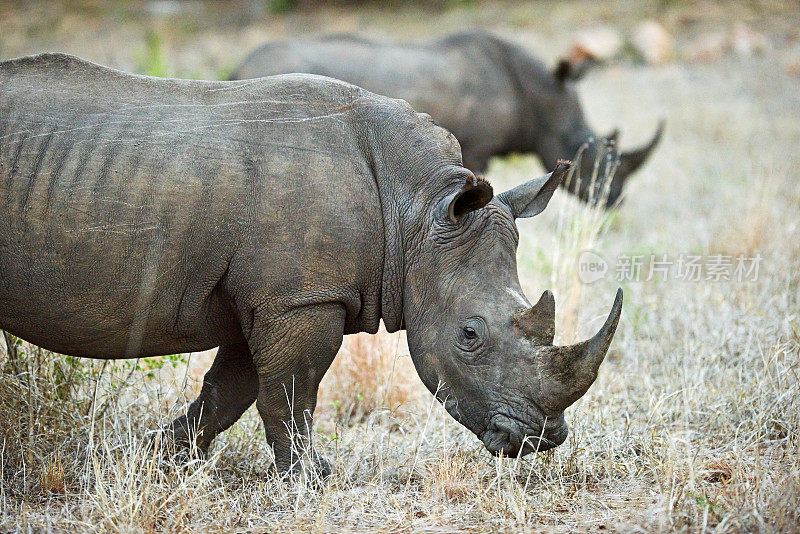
197 38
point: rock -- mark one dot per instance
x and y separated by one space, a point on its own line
747 42
742 40
599 44
709 47
653 42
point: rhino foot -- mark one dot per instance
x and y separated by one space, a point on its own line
316 470
180 445
323 467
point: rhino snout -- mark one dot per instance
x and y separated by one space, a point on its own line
511 437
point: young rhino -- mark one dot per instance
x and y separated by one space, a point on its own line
491 94
151 216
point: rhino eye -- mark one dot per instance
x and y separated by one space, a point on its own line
472 334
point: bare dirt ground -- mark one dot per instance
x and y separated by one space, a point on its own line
694 421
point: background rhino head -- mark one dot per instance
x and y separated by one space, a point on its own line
553 126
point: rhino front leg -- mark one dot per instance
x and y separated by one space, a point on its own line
292 353
229 388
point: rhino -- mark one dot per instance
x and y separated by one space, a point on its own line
147 216
491 94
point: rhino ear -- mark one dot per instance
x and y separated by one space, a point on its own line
474 195
531 198
568 70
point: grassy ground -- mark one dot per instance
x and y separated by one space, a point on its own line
694 421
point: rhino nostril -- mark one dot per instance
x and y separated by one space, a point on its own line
558 435
508 436
554 423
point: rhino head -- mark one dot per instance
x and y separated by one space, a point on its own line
477 343
554 127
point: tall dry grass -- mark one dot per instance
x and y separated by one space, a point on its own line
370 373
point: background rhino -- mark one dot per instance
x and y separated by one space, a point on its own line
151 216
491 94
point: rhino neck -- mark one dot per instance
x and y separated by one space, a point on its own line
550 122
565 145
412 162
393 278
405 205
389 199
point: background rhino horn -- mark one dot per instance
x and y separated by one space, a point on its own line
632 160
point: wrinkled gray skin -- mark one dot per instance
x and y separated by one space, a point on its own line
491 94
146 216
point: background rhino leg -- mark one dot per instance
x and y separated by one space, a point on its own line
229 388
292 352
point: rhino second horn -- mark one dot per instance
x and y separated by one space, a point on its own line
575 366
538 323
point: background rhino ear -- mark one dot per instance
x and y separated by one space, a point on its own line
475 194
568 70
531 198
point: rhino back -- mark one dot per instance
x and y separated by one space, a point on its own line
457 80
131 203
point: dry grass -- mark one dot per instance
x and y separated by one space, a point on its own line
369 374
693 424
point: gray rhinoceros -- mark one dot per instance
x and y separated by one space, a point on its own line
491 94
147 216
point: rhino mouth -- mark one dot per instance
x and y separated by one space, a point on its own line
511 437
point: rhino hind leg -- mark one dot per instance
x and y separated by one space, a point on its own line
229 388
292 352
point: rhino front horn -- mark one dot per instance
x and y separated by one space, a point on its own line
573 369
633 159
